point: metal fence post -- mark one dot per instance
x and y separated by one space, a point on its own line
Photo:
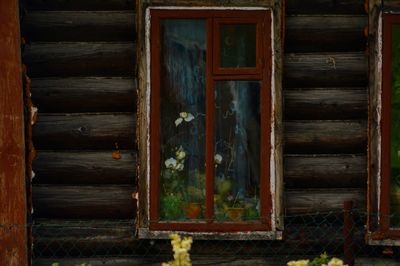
348 233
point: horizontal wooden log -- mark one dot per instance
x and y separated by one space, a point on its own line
325 33
158 260
306 201
325 171
325 103
79 26
97 237
325 136
84 167
85 131
90 167
80 59
206 259
115 201
84 202
69 95
325 70
325 7
81 5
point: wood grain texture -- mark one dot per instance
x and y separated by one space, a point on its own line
85 131
326 70
98 167
303 201
13 202
81 5
84 202
115 201
325 7
85 94
325 33
325 103
319 171
84 167
79 26
375 112
80 59
325 136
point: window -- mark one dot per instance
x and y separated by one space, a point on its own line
386 184
209 122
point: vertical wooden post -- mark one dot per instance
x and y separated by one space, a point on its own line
348 233
13 233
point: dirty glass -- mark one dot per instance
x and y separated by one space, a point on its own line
237 150
237 45
182 118
395 127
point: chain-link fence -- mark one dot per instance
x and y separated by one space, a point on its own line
340 234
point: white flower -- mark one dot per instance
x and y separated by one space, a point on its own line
217 158
178 121
170 163
179 166
180 154
183 116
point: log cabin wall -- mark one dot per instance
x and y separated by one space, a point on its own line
81 58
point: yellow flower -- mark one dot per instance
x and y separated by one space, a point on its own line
336 262
298 263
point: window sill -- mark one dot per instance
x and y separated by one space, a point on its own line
145 233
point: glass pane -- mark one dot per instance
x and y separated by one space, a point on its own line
237 150
238 45
395 128
182 118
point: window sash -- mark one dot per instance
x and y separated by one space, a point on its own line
262 73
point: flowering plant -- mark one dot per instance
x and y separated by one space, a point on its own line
322 260
181 249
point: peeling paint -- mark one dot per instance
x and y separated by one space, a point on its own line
273 170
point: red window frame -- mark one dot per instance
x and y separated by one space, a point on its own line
262 72
384 228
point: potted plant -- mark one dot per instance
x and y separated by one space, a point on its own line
235 210
196 197
171 206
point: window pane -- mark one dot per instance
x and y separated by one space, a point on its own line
395 127
182 118
238 45
237 150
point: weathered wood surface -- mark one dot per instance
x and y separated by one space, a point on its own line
86 94
84 167
344 170
325 33
375 108
81 5
80 59
331 103
98 167
13 202
117 59
101 236
319 136
115 201
79 26
84 202
325 70
305 201
85 131
325 7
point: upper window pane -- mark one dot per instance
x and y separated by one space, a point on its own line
237 45
182 119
